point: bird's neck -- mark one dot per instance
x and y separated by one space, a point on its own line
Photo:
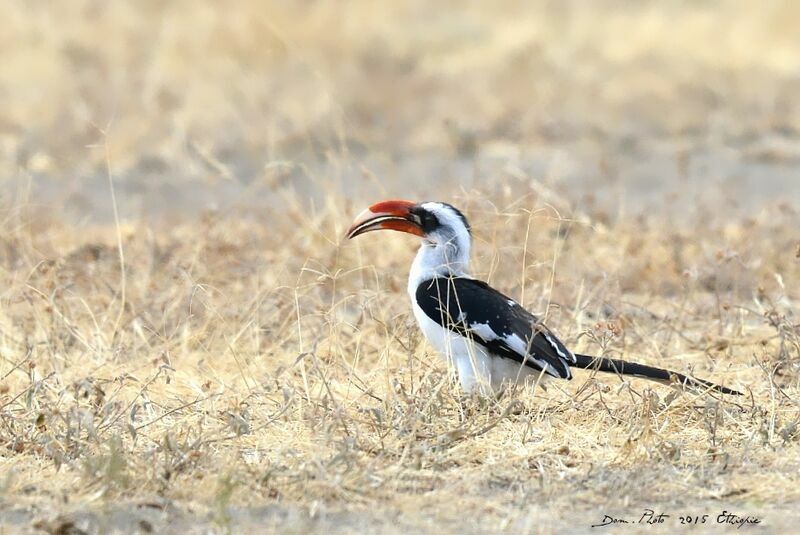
438 260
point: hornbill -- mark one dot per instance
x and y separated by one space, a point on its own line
489 337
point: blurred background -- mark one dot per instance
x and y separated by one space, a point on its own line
619 107
632 171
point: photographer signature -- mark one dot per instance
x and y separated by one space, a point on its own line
649 516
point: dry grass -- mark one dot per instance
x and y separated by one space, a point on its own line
235 367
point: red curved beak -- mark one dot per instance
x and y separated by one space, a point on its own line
386 215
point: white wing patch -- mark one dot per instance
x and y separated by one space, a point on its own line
520 347
516 344
470 311
557 347
484 331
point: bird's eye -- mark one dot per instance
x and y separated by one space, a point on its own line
429 221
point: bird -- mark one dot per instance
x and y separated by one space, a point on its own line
490 339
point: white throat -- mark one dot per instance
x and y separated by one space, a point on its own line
450 259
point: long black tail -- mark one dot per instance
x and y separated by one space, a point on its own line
667 377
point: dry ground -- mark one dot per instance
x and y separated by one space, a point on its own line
214 357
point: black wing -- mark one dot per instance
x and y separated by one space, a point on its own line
473 308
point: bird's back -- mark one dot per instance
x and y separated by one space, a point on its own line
465 315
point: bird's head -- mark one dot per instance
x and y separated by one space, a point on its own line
443 228
437 223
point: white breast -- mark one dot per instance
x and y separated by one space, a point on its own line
472 363
477 369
